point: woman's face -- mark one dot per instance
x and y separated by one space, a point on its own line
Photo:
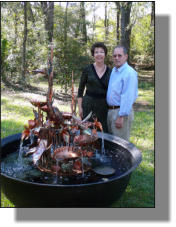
99 55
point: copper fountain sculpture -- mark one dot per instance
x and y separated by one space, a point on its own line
60 143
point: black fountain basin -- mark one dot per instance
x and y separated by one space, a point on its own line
97 194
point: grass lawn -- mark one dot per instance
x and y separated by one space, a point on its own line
140 191
16 111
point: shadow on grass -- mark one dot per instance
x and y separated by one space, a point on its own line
4 101
21 86
145 85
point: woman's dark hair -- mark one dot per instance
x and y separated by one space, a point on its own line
97 45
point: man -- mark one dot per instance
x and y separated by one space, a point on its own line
122 93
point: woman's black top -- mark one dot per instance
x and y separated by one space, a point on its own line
95 96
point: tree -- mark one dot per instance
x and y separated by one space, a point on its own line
4 54
65 27
83 22
152 13
118 21
24 44
125 24
65 44
106 24
48 11
94 18
142 34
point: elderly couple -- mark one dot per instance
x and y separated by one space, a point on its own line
110 94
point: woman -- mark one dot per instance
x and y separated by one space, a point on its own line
95 78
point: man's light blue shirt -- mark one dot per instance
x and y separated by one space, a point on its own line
123 88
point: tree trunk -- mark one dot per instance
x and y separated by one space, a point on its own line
30 13
24 44
65 43
48 11
50 21
65 26
118 21
77 30
83 22
15 28
125 24
106 24
94 19
152 14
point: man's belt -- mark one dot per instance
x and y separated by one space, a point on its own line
113 107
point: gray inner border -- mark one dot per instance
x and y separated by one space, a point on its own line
161 212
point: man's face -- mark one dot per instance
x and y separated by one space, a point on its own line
119 58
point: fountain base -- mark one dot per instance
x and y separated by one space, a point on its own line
97 194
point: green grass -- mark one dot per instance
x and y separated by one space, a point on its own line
140 191
16 111
146 96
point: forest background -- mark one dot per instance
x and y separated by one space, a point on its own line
28 27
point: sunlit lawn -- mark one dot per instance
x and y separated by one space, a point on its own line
140 191
16 111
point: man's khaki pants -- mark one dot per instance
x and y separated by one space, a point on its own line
124 132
